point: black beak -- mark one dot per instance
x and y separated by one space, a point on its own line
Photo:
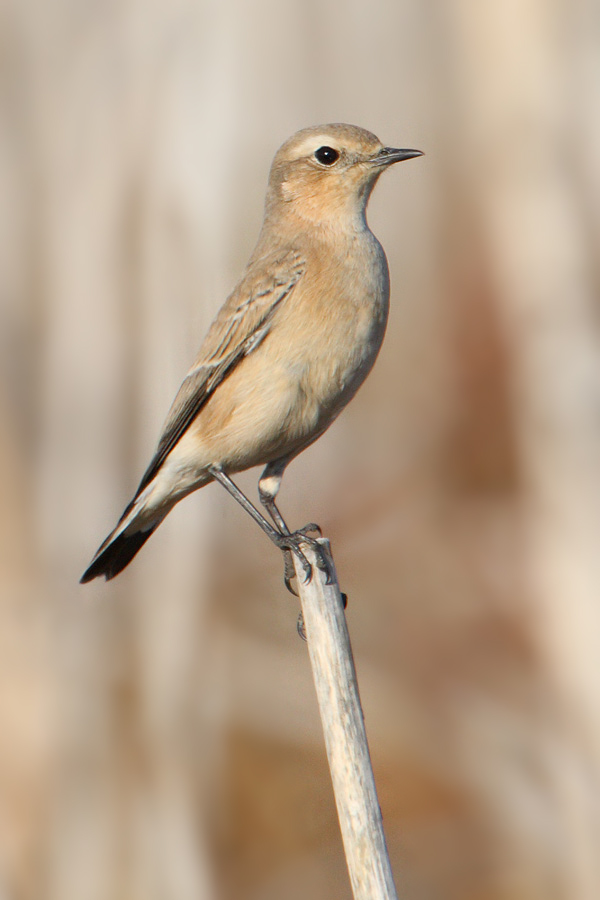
390 155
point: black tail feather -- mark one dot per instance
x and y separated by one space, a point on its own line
117 554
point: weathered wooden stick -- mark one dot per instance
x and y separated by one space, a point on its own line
345 737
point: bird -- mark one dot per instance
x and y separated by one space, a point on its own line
286 352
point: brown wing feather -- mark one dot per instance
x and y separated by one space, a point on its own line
240 326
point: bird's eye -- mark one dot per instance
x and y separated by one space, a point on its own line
326 156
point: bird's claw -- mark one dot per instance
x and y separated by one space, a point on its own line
289 572
300 627
312 527
291 543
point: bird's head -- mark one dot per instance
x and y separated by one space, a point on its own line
326 173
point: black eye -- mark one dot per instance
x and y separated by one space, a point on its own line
326 156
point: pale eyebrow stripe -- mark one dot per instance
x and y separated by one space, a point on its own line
315 141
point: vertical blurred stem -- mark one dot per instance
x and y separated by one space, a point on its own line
345 737
517 61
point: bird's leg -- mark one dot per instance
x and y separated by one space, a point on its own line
284 540
268 488
219 475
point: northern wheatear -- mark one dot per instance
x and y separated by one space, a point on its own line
289 348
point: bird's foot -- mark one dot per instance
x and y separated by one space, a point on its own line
291 543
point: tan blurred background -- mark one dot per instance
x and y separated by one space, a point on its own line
159 738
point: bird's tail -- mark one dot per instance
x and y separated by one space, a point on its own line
116 553
122 544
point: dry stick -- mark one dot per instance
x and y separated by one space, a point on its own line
344 728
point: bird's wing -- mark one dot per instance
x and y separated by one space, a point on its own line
239 328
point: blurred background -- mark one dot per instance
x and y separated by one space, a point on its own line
159 735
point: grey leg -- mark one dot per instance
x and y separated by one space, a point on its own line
268 488
284 540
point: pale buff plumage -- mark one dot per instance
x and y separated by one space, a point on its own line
290 346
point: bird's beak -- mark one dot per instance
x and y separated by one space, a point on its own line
389 155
